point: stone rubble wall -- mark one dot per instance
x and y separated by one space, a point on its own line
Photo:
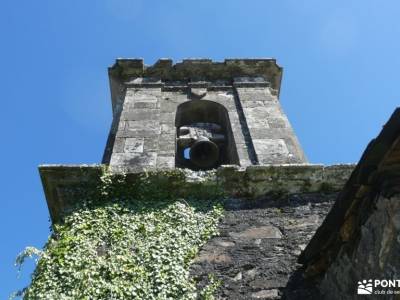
254 256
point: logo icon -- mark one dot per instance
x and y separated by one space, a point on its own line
365 287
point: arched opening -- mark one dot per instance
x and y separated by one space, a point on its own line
204 138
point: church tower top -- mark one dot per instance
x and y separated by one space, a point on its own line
198 114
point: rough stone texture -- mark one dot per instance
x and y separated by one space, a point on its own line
271 134
255 254
145 101
375 255
200 70
61 182
256 181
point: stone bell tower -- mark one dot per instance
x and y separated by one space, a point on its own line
198 114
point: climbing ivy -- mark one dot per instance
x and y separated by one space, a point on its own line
127 240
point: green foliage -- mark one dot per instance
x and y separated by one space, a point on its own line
209 291
29 252
127 240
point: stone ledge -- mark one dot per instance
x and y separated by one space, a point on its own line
61 182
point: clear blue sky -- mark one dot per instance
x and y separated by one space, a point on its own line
341 64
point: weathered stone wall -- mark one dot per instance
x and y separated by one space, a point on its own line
375 255
143 134
139 130
255 253
62 182
271 133
271 213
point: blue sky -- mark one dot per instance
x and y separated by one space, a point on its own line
341 81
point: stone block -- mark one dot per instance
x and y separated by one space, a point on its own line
271 147
147 105
150 144
254 94
277 123
174 97
144 97
255 113
276 133
121 125
260 124
144 81
141 115
149 92
165 162
253 104
144 125
134 145
119 144
140 129
248 79
168 106
266 294
166 146
134 159
273 159
136 98
138 133
299 172
262 232
168 129
167 118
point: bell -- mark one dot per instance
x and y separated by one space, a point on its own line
204 153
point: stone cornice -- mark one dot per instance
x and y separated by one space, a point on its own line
192 70
63 183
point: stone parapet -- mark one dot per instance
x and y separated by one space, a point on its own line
189 70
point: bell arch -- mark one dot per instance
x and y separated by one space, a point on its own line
204 137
